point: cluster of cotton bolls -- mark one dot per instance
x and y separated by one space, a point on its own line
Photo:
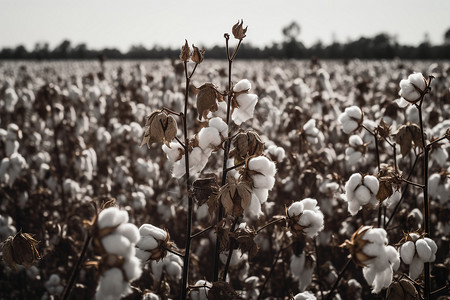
263 181
11 168
302 269
118 245
370 246
246 102
305 217
209 139
351 119
11 138
171 266
416 251
360 190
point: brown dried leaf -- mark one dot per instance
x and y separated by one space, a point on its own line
8 256
203 188
206 100
185 52
246 144
406 136
245 238
402 290
223 235
384 130
385 190
197 55
160 128
238 30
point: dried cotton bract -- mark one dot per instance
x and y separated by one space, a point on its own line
369 249
305 217
160 127
351 119
416 251
360 190
20 250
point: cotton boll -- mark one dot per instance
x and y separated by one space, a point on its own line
376 235
352 183
433 182
355 140
247 103
309 203
262 194
142 255
372 183
423 250
440 156
393 257
407 251
242 85
209 137
179 168
117 244
111 217
147 243
263 165
295 209
297 264
418 80
354 112
353 207
150 230
150 296
305 296
130 231
349 126
432 245
132 268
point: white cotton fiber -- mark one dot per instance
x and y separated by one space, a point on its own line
372 183
130 231
132 268
407 251
416 267
111 285
111 217
362 194
349 126
150 230
174 152
263 182
261 194
309 203
353 207
432 245
117 244
254 210
376 235
242 85
423 250
297 264
355 140
295 209
147 242
309 126
179 168
354 112
220 125
209 137
142 255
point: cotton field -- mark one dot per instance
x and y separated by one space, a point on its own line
177 179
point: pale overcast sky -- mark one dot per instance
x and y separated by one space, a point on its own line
115 23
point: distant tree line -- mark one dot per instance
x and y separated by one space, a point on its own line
381 46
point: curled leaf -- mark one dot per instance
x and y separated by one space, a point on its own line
207 100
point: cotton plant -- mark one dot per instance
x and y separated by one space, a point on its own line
359 191
415 251
370 250
116 238
305 217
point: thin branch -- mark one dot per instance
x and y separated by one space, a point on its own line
202 231
268 224
235 167
336 283
412 183
270 273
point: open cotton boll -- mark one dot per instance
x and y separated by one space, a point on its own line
354 112
150 230
353 207
111 217
242 85
432 245
142 254
407 251
174 152
433 182
209 137
377 236
309 203
295 209
117 244
236 257
313 221
297 264
247 103
362 193
220 125
355 140
147 243
349 126
352 183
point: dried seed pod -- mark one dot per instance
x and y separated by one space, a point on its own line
245 238
206 100
408 136
160 128
235 197
185 52
402 290
20 250
246 144
197 55
356 245
239 31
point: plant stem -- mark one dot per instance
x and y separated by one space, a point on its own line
230 251
225 160
318 268
188 188
270 273
426 202
76 269
202 231
341 274
270 223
